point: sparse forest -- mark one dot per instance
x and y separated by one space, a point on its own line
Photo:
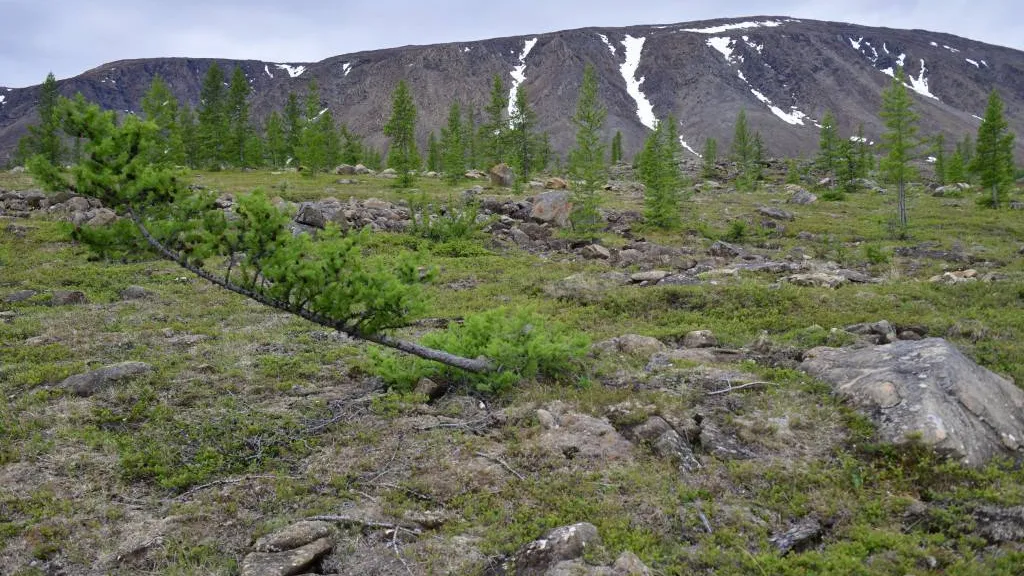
230 346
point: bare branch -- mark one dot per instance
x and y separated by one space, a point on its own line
502 462
735 388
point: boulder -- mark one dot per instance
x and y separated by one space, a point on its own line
135 293
77 204
802 197
102 217
345 170
389 173
88 383
19 296
650 276
502 175
310 214
360 169
595 252
700 339
630 345
295 536
288 563
429 388
724 250
817 279
775 213
585 288
475 175
930 391
556 183
552 207
67 298
955 277
801 535
561 544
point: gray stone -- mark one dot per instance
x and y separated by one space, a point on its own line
700 339
556 183
290 563
929 391
595 252
802 197
102 217
310 214
67 297
552 207
430 389
817 279
776 213
630 345
88 383
77 204
586 288
294 536
502 175
345 170
561 544
135 293
798 537
388 173
651 276
724 250
19 296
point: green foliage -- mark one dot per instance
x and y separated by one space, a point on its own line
829 152
277 144
213 119
617 147
793 171
292 125
433 153
659 171
876 255
956 172
237 112
709 163
939 150
899 140
993 160
443 223
161 108
453 146
737 231
493 131
44 138
523 142
523 344
401 128
747 151
586 160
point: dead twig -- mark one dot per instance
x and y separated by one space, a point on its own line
223 482
394 546
351 521
504 464
704 519
735 388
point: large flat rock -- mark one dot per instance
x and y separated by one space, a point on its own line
928 390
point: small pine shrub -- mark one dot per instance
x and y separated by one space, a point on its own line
522 344
737 231
444 223
876 255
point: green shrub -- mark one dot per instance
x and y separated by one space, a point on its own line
443 223
876 255
737 231
522 344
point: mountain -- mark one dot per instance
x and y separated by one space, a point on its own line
785 72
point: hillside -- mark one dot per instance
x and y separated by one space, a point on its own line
786 73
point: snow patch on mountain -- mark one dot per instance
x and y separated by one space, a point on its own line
346 68
856 43
950 48
293 71
735 26
644 108
920 84
607 43
2 98
266 68
683 143
723 44
795 117
972 62
519 75
900 59
759 48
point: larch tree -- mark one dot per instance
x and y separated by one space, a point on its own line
327 280
659 171
828 146
899 141
993 154
44 138
277 146
587 158
311 151
495 127
401 128
213 118
237 111
161 108
433 153
709 159
453 150
191 147
522 138
617 147
741 152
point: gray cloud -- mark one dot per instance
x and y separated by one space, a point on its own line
68 37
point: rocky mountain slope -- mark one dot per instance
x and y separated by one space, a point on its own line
785 72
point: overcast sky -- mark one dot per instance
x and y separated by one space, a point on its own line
69 37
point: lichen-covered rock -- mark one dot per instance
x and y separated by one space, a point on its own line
552 207
88 383
294 536
929 391
288 563
558 545
630 345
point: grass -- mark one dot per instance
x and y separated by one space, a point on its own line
288 417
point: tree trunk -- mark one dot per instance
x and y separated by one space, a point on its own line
902 201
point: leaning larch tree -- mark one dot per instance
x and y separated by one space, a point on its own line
328 281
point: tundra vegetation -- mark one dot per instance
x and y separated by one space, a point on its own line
449 378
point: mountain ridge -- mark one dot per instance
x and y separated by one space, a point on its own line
784 72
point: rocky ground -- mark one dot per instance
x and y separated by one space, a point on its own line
782 387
